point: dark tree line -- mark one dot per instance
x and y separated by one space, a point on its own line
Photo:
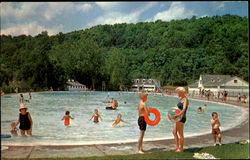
175 52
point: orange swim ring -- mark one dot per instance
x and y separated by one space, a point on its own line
157 117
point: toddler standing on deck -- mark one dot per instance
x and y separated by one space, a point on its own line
13 129
215 123
67 118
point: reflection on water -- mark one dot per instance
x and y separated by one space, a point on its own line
48 108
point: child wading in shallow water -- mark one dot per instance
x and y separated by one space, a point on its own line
96 116
67 118
215 123
118 120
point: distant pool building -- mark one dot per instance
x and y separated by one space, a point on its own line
73 85
219 83
145 85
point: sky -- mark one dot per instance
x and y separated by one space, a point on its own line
31 18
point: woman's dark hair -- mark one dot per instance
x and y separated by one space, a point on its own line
67 112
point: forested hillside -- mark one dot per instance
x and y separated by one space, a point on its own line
174 52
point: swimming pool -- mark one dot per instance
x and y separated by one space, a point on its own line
47 109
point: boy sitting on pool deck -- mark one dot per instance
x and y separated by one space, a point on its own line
215 123
118 120
142 108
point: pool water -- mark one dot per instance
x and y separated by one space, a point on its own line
48 108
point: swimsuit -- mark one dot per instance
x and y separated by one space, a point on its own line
24 121
180 106
216 131
13 132
66 121
111 108
21 100
142 123
96 118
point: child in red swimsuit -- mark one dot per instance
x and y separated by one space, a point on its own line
67 118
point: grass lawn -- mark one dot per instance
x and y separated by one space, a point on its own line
227 151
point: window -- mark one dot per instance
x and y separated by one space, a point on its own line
143 80
235 81
137 81
212 80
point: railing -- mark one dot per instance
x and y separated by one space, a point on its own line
157 85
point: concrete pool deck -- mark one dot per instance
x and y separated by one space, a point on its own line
238 133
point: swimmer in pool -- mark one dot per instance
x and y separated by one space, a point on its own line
96 116
67 118
113 106
200 110
21 98
109 101
118 120
204 106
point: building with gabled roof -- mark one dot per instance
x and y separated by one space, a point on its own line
73 85
219 83
146 85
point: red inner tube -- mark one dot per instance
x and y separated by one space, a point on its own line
157 117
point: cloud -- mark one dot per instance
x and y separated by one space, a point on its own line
16 16
54 9
46 10
30 29
118 17
202 16
177 10
84 7
218 5
108 5
19 11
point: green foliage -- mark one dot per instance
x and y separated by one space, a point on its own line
174 52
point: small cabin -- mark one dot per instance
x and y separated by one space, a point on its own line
145 85
73 85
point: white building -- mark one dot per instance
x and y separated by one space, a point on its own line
73 85
220 83
146 85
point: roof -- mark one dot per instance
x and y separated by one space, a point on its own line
243 81
215 80
150 81
75 83
194 85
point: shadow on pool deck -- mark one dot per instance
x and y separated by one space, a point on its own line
238 133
